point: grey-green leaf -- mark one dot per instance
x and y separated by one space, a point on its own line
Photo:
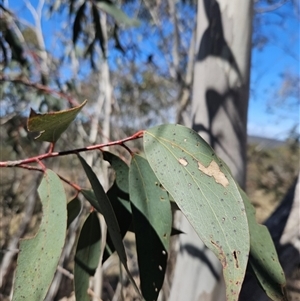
117 13
39 256
206 193
87 255
152 218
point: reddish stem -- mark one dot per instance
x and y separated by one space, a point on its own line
75 186
49 154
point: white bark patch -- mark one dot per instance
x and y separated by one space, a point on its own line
183 162
213 170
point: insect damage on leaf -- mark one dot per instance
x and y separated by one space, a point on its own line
183 162
213 170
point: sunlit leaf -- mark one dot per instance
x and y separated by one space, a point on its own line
152 217
52 125
206 193
87 255
263 256
120 17
39 256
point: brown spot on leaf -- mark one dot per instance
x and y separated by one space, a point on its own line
236 259
183 162
222 256
213 170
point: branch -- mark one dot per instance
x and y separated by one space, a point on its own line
24 162
39 87
270 7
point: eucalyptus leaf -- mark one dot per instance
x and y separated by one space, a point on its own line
106 209
204 190
263 257
39 256
52 125
87 255
120 17
152 219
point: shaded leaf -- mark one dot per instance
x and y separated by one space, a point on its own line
90 196
120 17
4 53
77 28
15 45
206 193
71 7
117 40
52 125
106 209
98 29
152 218
73 208
39 256
87 255
121 169
119 198
263 256
122 211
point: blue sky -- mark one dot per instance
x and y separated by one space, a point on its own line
279 55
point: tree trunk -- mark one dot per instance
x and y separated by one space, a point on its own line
219 115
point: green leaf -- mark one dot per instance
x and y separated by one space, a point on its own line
206 193
152 217
106 209
39 256
73 208
120 17
87 255
52 125
263 256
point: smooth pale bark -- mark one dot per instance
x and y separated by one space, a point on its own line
219 115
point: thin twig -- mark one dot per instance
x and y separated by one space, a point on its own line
65 272
75 186
39 87
44 156
270 7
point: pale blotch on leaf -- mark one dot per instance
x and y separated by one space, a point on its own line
213 170
183 162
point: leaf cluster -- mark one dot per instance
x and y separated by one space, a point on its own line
177 166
